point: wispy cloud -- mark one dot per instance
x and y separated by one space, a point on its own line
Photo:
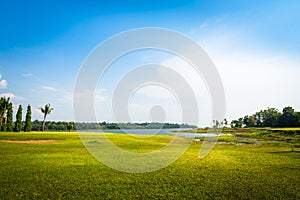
3 83
155 92
52 89
255 76
27 74
12 96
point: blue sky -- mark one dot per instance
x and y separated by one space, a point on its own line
254 44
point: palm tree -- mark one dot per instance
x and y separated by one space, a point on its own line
47 110
4 104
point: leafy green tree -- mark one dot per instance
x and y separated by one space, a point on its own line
4 127
46 111
27 127
288 118
270 117
18 124
246 121
70 126
4 103
249 121
37 125
298 116
258 119
237 123
9 116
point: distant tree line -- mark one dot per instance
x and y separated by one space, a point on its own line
270 117
64 126
145 125
52 126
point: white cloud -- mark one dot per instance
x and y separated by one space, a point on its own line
12 96
145 98
62 101
27 74
52 89
254 76
102 105
198 91
154 92
142 111
3 83
36 113
67 97
256 81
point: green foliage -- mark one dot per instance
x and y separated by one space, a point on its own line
18 124
270 117
46 111
66 170
291 136
289 118
4 106
249 121
62 126
9 125
237 123
27 127
70 126
50 126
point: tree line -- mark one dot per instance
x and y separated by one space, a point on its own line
67 126
52 126
270 117
37 125
6 117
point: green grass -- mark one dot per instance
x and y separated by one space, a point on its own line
66 170
287 129
284 136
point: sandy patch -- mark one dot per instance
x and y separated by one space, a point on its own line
30 141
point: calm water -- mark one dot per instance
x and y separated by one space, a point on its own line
157 131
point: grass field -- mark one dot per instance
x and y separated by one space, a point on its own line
64 169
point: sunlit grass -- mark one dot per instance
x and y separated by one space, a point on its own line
65 169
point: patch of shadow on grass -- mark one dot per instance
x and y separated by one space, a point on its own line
285 152
292 153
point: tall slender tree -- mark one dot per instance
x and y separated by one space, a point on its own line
46 111
9 117
4 103
27 127
18 124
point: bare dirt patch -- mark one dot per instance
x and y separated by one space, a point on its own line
30 141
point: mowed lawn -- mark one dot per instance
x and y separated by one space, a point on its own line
64 169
